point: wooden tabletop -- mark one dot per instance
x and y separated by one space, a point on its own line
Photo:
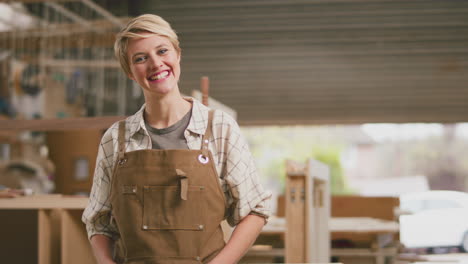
362 225
50 201
367 225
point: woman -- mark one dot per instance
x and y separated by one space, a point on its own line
167 176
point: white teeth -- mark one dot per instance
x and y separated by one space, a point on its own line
159 76
163 74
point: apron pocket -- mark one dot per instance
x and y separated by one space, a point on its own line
163 208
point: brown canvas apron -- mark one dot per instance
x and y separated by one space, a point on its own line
167 204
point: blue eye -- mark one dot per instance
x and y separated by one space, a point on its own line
139 59
162 51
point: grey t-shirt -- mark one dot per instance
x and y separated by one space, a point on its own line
171 137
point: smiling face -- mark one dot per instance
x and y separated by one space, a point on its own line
154 64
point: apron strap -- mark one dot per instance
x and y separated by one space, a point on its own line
208 133
121 140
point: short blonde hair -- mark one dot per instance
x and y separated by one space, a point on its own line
147 23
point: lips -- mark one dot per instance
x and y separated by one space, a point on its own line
159 76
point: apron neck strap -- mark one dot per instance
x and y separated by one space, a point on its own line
208 133
121 139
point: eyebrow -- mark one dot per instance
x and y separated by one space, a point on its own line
139 53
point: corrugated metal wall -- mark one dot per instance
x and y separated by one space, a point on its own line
311 62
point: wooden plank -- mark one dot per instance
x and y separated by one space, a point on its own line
366 225
61 35
48 236
376 207
64 124
103 12
312 218
60 38
71 15
364 252
296 226
49 201
341 225
63 29
280 208
307 212
205 89
75 247
365 230
44 238
89 64
271 252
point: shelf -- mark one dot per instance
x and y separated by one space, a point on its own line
47 228
49 201
64 124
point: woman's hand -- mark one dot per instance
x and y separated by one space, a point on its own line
244 235
101 246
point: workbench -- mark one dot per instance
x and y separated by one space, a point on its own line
44 229
382 231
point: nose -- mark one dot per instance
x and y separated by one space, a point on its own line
156 62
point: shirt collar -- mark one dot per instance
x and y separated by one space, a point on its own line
136 121
198 120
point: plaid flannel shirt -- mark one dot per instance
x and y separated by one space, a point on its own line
233 161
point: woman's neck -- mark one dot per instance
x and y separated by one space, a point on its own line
161 112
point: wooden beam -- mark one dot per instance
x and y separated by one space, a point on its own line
55 35
61 29
81 63
67 13
205 89
80 40
103 12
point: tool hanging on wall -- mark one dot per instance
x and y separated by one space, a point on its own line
69 45
29 80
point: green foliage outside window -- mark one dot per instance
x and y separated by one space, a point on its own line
272 146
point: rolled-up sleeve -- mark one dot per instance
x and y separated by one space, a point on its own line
247 195
96 215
